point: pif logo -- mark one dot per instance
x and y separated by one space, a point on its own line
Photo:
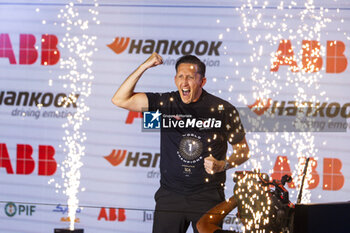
28 54
11 209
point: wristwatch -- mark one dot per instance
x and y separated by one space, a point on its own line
227 165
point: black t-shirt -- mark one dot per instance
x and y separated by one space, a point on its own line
224 231
191 132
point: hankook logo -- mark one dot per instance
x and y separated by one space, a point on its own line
292 108
165 47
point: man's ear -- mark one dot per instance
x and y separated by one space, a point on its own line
204 81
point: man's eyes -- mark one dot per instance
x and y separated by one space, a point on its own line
190 77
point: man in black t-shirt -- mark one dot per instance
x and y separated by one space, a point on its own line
196 127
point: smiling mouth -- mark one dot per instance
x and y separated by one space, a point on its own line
186 92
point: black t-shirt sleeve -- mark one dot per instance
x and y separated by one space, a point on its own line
224 231
234 128
153 101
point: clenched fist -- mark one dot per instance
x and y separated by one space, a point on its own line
213 165
154 60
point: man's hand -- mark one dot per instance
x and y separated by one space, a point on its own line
154 60
213 165
125 97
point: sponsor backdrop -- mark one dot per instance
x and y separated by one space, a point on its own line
61 62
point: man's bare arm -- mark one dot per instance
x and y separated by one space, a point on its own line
210 221
125 97
240 154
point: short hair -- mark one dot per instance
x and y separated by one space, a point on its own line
192 60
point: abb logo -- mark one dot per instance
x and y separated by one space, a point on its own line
333 179
113 216
311 60
132 115
28 54
25 163
144 159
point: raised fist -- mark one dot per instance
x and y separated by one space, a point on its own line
212 165
154 60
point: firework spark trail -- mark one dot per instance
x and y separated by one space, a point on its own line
78 80
311 21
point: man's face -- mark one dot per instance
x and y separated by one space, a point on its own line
189 82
